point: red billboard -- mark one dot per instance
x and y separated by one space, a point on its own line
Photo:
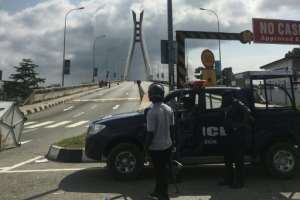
276 31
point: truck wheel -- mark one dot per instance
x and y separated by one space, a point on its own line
125 161
281 160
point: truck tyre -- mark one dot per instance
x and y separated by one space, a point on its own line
125 161
281 160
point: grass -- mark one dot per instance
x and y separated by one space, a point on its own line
73 142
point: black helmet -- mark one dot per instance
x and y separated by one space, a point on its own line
156 92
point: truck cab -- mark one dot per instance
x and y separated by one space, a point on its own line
199 113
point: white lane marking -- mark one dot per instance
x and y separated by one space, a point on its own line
107 100
77 124
29 130
2 168
45 160
41 124
29 123
69 108
26 141
58 124
116 107
21 164
40 170
79 114
93 107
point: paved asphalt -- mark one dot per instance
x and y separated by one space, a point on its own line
69 119
26 175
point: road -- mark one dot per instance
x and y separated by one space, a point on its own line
69 119
26 175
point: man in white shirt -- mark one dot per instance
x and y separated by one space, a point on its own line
160 137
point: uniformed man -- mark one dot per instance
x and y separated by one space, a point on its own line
237 123
160 135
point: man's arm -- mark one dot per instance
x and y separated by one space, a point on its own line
149 138
151 124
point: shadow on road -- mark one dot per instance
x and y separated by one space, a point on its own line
197 183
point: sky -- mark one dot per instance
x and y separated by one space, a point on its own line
34 29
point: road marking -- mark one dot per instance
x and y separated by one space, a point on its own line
21 164
93 107
69 108
107 100
44 160
79 114
40 170
26 141
29 130
116 107
41 124
77 124
58 124
29 123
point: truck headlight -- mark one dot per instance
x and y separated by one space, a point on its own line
95 128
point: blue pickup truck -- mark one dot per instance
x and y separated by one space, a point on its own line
273 141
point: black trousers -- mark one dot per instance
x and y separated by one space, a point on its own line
234 162
160 160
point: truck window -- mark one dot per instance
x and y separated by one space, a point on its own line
272 96
213 101
184 101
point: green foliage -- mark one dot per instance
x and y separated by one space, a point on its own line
24 80
27 75
295 53
73 142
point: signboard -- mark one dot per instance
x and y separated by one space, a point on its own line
275 31
67 67
208 59
95 72
210 76
165 52
218 69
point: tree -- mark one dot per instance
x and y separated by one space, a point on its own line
27 75
295 53
25 80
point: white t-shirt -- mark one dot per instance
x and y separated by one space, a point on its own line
159 119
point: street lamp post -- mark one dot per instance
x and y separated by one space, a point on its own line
170 45
212 11
94 52
64 50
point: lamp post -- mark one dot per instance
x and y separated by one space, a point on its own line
94 56
212 11
170 45
64 50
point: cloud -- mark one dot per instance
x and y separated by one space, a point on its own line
36 31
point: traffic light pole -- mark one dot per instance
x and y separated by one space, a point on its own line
170 45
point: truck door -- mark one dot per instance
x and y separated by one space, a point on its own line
186 108
212 130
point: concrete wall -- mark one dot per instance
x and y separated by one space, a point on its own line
54 93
